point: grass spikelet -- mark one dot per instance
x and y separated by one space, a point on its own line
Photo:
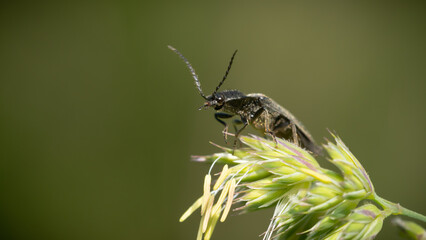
310 202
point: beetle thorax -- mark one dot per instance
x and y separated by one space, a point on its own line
232 101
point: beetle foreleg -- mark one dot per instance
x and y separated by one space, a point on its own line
218 117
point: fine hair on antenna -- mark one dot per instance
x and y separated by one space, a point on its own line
194 75
191 69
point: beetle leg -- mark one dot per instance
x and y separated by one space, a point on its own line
237 134
294 133
281 123
235 123
220 115
267 123
269 131
274 138
257 113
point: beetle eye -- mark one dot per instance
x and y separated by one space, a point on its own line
219 103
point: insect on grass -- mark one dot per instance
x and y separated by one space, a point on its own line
253 109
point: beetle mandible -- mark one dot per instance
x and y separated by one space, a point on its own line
254 109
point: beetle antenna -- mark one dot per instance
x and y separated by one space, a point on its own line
226 73
191 69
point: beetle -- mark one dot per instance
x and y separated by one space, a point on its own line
254 109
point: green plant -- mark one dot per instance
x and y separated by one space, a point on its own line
310 202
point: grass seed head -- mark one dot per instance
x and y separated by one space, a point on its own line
309 201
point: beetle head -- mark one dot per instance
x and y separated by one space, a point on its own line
216 101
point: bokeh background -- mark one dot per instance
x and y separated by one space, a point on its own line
99 118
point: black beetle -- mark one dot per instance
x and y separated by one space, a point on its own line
254 109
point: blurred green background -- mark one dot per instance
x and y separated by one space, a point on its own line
99 118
